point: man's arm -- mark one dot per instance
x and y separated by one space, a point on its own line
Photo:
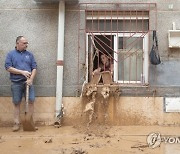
9 67
17 71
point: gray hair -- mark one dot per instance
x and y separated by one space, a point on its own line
18 38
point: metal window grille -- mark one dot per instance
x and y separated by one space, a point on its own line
119 31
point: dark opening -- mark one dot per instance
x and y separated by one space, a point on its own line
105 45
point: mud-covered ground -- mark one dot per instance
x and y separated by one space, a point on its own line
96 139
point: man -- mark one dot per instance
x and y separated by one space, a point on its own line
22 67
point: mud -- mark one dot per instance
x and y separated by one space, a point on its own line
95 139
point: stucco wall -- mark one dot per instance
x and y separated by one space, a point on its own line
39 25
116 111
162 78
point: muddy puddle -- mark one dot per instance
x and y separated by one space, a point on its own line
95 139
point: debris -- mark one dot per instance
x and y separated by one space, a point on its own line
89 134
88 138
90 117
96 145
48 140
140 146
117 91
90 89
74 143
89 107
58 121
108 141
105 92
1 140
107 136
78 151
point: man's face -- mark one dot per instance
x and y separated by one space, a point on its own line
22 44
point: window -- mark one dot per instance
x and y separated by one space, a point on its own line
123 36
131 58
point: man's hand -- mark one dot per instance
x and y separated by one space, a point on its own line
26 74
31 78
29 81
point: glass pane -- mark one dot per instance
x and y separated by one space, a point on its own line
117 25
130 59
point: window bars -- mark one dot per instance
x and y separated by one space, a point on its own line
121 32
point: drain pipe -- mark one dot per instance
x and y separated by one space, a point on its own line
60 57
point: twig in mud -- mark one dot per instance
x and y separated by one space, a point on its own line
78 151
140 146
48 140
74 143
